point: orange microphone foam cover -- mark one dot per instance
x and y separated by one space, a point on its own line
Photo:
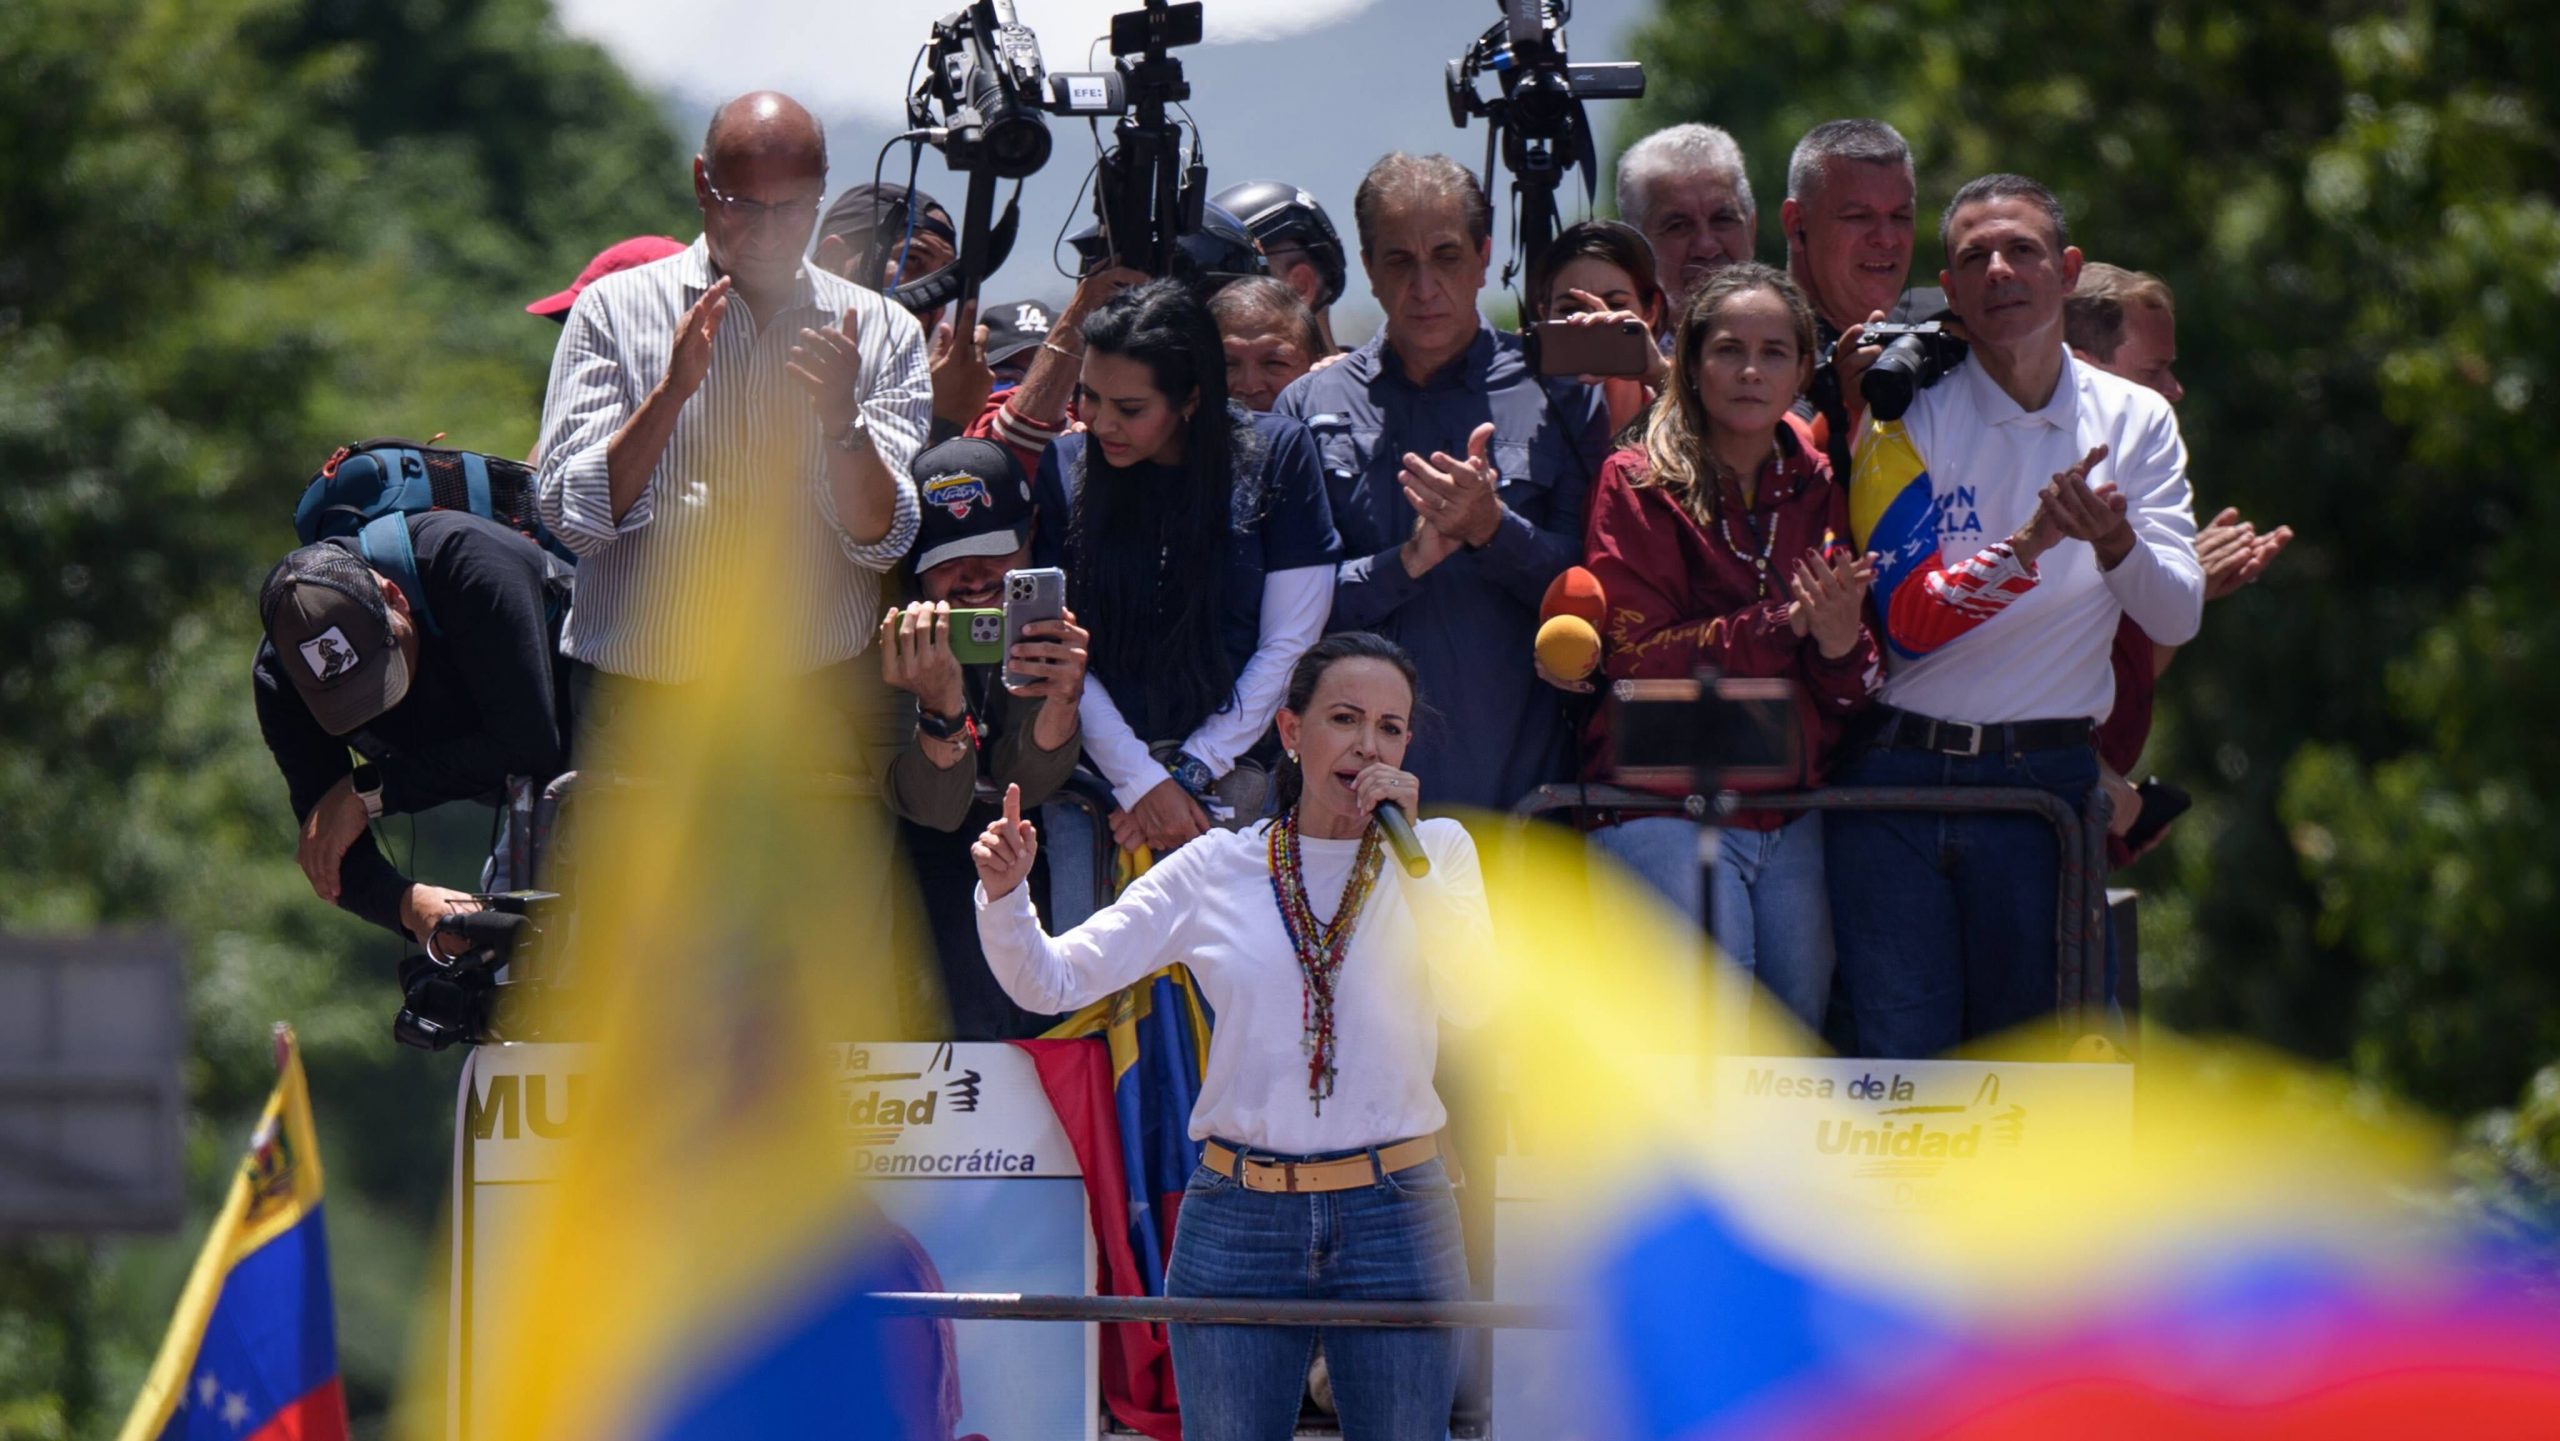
1568 647
1576 592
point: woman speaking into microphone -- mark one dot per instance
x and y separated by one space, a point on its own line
1330 972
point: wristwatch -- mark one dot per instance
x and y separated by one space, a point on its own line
856 434
1192 774
366 781
943 728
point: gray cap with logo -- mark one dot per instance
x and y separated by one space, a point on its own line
325 615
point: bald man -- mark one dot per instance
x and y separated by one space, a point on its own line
729 382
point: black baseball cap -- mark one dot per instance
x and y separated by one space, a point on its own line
863 210
1014 327
976 502
325 616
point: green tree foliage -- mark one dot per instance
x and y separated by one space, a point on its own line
2354 204
234 234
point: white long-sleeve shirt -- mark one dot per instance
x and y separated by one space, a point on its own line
2046 655
1294 606
1414 958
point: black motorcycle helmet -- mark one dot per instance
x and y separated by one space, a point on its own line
1218 252
1280 215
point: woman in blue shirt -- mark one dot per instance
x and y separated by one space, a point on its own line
1200 555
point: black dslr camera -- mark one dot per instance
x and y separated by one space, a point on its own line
446 1001
1914 358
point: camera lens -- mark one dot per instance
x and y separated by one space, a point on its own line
1890 383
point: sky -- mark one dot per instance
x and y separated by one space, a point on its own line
1308 91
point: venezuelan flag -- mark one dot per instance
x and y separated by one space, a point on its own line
2236 1246
701 1264
253 1352
1137 1155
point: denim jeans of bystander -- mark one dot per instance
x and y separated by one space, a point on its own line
1772 907
1946 922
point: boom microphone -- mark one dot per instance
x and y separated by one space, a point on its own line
1402 840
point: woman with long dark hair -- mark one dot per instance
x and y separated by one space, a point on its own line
1199 555
1330 972
1600 272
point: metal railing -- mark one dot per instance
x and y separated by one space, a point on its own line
2080 934
1219 1311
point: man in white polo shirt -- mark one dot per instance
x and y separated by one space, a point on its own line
1998 667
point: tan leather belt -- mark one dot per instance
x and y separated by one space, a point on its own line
1343 1173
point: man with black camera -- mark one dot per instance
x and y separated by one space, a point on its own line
1849 217
1999 653
979 734
372 710
1457 475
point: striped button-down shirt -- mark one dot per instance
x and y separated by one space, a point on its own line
748 439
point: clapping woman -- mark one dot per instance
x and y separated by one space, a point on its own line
1330 972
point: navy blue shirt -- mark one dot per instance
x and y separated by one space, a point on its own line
1491 730
1282 522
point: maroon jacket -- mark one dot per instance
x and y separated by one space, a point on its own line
1680 597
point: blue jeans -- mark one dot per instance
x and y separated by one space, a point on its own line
1946 922
1395 1239
1773 911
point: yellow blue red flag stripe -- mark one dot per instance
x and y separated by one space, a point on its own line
253 1352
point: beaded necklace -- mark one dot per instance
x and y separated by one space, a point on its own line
1724 519
1320 946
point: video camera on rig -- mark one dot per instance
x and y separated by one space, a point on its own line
1537 117
458 999
983 99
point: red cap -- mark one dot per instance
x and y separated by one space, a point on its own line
621 255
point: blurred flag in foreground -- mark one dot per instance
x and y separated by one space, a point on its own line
699 1267
253 1351
2214 1243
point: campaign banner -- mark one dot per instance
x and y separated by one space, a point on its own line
965 1156
1900 1134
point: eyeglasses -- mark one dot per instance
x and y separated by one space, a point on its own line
803 208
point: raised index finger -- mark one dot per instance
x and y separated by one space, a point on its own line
1012 804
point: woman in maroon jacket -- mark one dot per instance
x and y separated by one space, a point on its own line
1722 542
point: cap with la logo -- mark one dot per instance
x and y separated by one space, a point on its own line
325 616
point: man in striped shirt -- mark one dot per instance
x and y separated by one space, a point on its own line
735 413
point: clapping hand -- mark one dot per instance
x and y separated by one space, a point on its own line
828 364
1005 850
1459 498
689 360
2097 516
1830 600
2234 554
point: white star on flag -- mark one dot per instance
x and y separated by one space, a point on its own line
207 1387
235 1410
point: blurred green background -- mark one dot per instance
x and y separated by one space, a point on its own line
236 233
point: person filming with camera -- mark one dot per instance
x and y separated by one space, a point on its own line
1999 668
1321 1176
